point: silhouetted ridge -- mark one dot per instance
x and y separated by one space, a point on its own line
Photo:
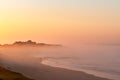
29 43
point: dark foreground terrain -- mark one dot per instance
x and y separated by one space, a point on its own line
9 75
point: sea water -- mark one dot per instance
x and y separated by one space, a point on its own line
99 60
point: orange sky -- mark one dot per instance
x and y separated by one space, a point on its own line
58 23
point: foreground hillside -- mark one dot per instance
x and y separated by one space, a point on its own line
9 75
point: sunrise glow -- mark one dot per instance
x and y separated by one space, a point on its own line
51 21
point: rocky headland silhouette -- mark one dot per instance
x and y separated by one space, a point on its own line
28 43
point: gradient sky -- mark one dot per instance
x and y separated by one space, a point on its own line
58 21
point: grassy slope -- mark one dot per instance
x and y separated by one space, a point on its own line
9 75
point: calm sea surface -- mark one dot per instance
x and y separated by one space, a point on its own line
100 60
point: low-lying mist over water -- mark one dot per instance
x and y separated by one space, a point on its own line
99 60
73 39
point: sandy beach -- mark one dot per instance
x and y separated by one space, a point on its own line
34 69
44 72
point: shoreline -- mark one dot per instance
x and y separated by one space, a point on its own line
38 71
45 72
81 70
91 72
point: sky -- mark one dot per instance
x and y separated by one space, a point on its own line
60 21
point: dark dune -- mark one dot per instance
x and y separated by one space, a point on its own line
10 75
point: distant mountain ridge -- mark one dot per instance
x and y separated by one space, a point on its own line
28 43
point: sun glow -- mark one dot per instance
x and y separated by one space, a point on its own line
50 22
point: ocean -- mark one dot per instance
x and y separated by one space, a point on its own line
99 60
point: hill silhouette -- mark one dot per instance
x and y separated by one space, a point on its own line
28 43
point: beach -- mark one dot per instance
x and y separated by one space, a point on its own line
24 61
44 72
